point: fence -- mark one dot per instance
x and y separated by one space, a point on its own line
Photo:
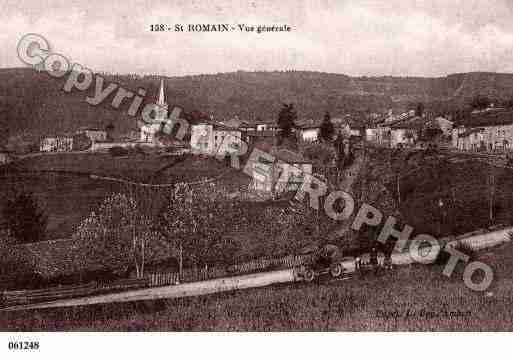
160 279
199 274
124 284
269 263
17 297
47 294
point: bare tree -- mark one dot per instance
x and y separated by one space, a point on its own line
194 219
119 228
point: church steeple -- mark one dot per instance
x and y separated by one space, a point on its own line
161 103
162 96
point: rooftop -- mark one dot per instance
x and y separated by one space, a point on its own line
263 133
247 124
308 123
232 123
411 123
471 131
289 156
91 129
496 118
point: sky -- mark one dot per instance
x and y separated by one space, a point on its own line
357 37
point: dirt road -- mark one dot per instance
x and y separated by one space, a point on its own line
476 241
175 291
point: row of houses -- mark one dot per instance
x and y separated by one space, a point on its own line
490 131
70 142
6 156
206 133
407 130
100 138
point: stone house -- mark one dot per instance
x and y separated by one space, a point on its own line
209 137
406 133
443 124
498 137
267 171
485 132
5 156
56 144
94 134
309 130
471 139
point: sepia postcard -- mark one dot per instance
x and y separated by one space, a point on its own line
255 166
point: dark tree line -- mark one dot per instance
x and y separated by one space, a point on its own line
480 102
327 128
24 219
287 118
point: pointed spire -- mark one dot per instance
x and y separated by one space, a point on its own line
162 97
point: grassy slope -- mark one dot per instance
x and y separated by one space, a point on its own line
68 198
137 167
464 191
428 177
348 305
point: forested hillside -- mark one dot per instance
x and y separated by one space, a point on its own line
35 103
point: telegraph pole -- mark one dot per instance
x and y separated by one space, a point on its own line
440 206
491 183
180 261
398 191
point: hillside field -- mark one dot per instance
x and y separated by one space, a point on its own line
64 189
371 303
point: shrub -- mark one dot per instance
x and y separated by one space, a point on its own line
24 219
117 151
320 153
23 143
119 228
195 218
81 142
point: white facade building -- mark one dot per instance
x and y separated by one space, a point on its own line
490 138
309 134
267 175
56 144
202 138
149 132
94 134
444 125
371 134
261 126
211 139
5 157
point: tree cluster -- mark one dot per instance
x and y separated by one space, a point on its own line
24 219
195 218
287 118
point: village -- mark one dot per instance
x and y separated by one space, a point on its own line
488 129
290 167
330 148
189 203
179 206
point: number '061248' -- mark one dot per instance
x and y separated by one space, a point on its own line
23 345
